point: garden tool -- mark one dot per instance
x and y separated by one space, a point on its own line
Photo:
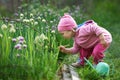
101 68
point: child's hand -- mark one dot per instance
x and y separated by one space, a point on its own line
104 43
62 48
102 40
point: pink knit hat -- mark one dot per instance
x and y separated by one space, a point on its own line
66 23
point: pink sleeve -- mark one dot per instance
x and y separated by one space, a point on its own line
75 48
93 28
97 29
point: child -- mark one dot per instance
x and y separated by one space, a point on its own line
89 39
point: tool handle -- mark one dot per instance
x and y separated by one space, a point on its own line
89 63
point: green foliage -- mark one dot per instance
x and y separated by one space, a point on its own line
37 26
106 14
39 61
34 61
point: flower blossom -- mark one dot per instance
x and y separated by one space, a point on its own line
12 30
43 37
14 39
43 20
31 15
37 38
3 27
21 16
11 25
18 46
20 38
18 55
24 46
19 43
26 20
35 23
40 39
53 31
31 20
39 18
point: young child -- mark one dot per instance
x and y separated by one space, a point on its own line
89 39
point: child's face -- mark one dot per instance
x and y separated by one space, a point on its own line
67 34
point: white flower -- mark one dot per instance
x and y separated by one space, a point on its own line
26 20
39 18
53 31
40 39
11 25
43 37
31 20
43 20
51 21
21 16
12 30
24 46
1 35
31 15
35 23
3 27
18 55
37 38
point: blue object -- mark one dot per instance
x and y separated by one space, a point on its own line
103 68
80 25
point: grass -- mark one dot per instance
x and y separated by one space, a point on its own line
87 73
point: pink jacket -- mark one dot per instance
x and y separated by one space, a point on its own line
87 36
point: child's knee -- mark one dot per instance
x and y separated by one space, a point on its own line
98 54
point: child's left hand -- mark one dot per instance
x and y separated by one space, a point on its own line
104 43
102 40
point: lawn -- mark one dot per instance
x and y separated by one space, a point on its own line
29 41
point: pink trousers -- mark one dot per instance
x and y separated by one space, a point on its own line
97 52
